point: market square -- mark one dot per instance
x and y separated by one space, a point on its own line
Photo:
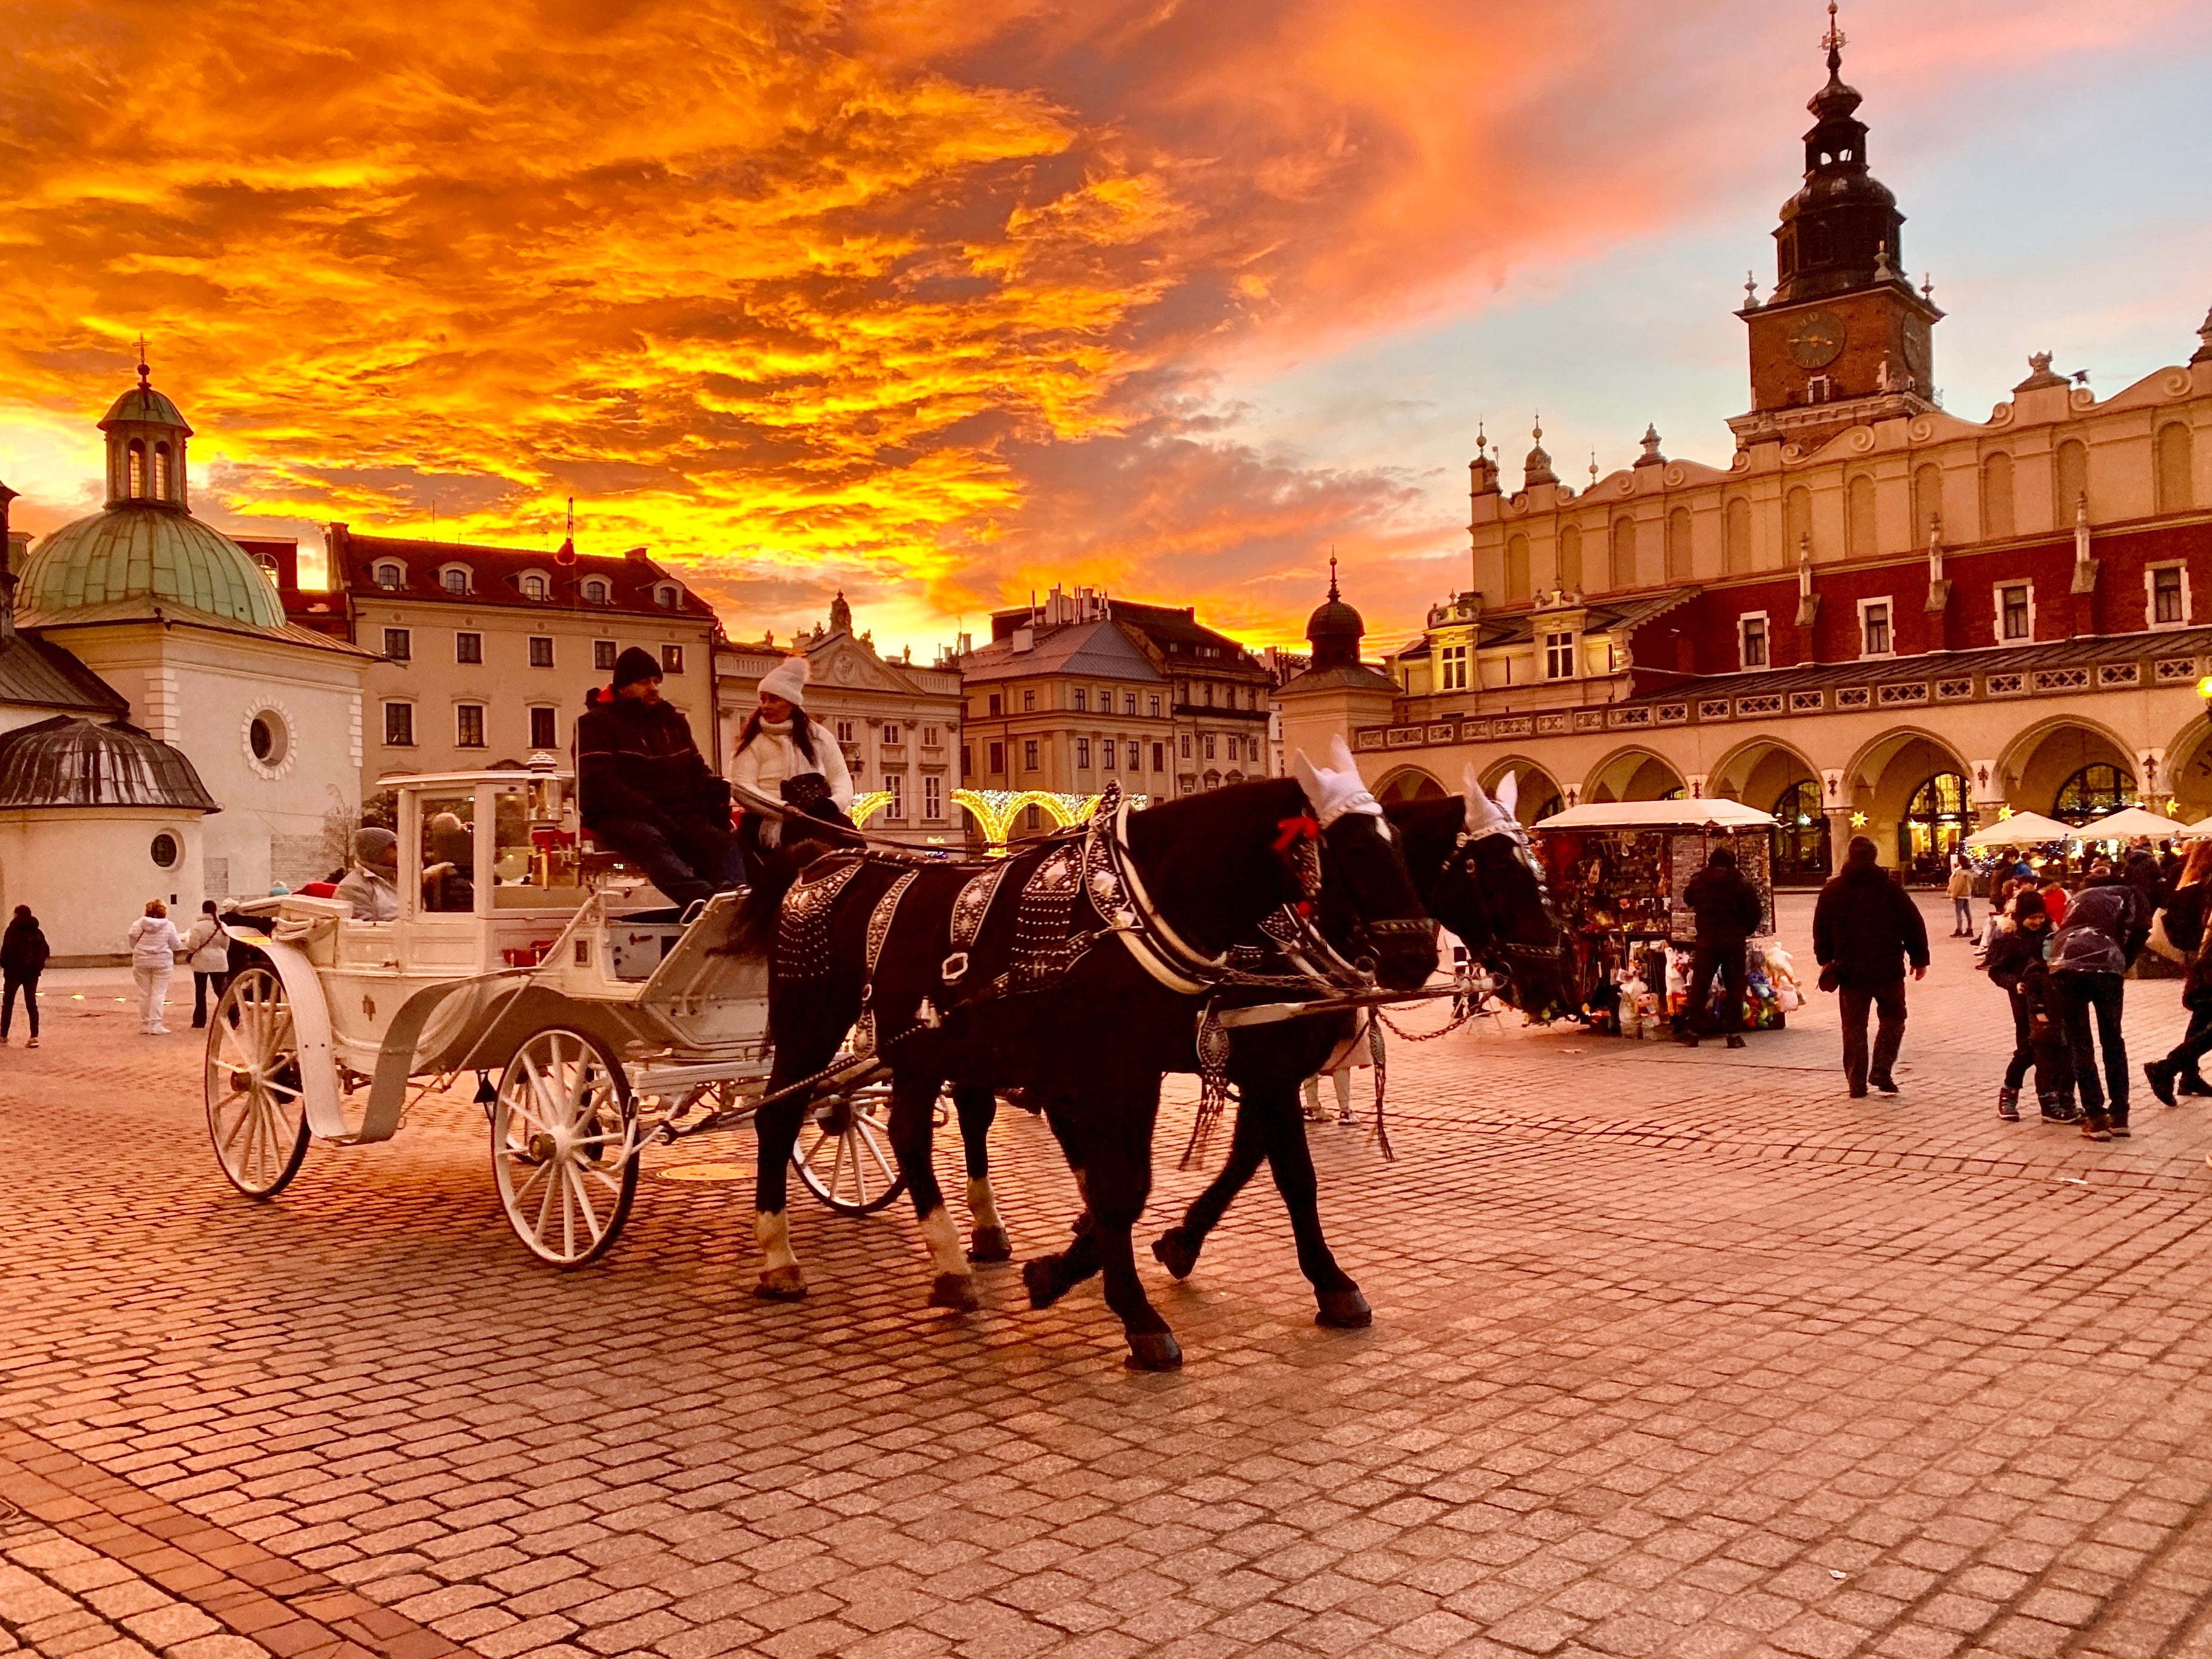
1673 1351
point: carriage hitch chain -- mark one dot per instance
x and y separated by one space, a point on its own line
860 1067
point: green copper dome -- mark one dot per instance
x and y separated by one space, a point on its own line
148 551
142 402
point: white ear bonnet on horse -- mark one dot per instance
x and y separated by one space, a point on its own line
1335 789
1485 816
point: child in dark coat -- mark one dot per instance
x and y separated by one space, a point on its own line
2016 965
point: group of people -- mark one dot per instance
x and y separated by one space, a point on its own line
155 944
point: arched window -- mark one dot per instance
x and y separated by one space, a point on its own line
666 596
1996 496
1858 517
2094 792
2175 456
163 490
1516 568
1624 552
1570 558
1796 524
389 575
1678 545
1735 552
533 587
2071 467
596 591
1801 844
134 462
1934 822
454 579
1927 501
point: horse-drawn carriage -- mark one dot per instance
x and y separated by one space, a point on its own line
610 1019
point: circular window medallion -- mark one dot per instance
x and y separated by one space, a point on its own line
267 740
165 850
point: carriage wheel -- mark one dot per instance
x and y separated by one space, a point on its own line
564 1145
257 1114
844 1152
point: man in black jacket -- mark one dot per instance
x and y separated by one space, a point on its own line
1729 913
2106 926
1864 928
646 792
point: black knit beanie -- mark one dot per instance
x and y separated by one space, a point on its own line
635 664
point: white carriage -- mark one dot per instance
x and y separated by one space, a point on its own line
611 1019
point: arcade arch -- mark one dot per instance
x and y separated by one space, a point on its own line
1775 778
1633 774
1909 792
1409 783
2071 758
1540 796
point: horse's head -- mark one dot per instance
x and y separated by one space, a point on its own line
1489 889
1366 901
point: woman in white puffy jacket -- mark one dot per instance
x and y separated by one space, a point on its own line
784 755
154 943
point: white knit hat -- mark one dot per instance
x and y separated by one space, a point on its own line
787 680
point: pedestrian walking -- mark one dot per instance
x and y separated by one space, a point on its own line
207 954
153 945
23 953
2181 1072
2056 900
1728 912
1864 931
2038 1028
1961 890
2106 926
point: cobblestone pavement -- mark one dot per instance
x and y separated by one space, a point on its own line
1674 1352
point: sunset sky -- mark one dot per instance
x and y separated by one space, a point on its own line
940 301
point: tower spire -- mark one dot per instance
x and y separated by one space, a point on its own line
1835 40
143 370
1333 593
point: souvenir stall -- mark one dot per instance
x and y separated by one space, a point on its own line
1618 870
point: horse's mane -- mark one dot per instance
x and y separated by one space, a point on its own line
1205 859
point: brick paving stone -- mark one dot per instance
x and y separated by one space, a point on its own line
1664 1341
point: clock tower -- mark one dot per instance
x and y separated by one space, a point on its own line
1843 339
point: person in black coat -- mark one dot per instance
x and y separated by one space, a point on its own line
2016 966
1728 912
23 953
645 790
2190 887
2106 926
1864 931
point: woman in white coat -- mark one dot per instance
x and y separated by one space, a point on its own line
785 757
153 945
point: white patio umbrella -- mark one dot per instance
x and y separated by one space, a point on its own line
2126 824
2021 830
2200 830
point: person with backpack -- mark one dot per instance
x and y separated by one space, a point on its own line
2107 923
2016 966
207 954
23 953
1865 930
1728 912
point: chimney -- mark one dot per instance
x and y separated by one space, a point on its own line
7 568
1024 639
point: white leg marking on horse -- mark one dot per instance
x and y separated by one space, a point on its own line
772 1230
944 1241
982 1206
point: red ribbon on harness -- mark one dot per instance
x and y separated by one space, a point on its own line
1305 827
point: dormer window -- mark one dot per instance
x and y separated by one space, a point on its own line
1559 656
454 579
533 587
1452 668
595 592
391 576
665 596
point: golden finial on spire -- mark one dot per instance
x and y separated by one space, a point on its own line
1834 40
143 371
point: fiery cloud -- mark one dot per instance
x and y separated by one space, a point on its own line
921 297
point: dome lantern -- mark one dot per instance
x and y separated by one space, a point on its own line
1334 629
146 439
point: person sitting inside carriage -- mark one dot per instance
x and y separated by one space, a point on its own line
368 884
782 754
646 792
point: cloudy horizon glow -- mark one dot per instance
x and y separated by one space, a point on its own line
942 303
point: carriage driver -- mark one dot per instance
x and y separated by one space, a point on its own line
647 792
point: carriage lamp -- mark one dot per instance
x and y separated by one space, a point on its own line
2205 690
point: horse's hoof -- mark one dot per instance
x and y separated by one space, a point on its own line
955 1291
1177 1251
1154 1350
990 1244
1040 1279
1343 1311
782 1284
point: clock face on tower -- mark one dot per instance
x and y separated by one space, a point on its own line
1817 340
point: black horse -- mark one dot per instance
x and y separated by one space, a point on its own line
1081 982
1478 877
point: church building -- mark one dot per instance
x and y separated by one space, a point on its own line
1878 617
165 732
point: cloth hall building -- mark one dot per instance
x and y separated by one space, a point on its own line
1879 618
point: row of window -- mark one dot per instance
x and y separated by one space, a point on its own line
468 648
468 726
1081 699
1238 748
891 733
2014 617
932 796
460 579
2172 461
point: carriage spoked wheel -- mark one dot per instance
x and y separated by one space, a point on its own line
844 1153
256 1110
564 1145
